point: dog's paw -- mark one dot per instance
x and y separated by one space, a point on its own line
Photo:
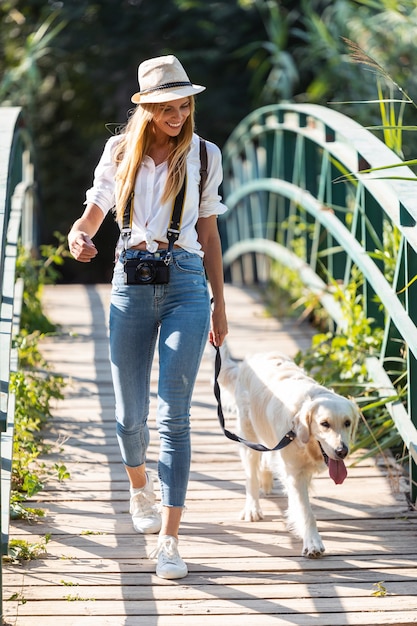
251 514
313 547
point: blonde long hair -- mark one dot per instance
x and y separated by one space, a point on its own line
134 145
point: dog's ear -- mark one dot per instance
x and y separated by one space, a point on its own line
302 421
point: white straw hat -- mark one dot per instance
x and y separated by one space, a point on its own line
162 79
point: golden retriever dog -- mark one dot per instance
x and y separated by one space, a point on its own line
274 396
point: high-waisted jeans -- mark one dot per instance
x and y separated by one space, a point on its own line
179 312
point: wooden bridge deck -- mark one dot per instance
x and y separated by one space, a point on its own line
96 571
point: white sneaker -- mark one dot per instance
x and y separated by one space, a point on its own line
170 565
145 516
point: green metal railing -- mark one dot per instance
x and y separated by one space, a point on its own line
297 192
16 223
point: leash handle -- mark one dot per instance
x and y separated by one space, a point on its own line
287 439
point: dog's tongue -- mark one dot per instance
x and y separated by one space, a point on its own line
337 471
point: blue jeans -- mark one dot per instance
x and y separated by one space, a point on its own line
179 313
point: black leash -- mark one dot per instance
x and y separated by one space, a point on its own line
287 439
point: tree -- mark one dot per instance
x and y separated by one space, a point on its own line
72 64
87 72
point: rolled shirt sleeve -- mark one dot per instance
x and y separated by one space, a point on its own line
211 203
102 192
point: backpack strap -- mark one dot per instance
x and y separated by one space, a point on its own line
203 166
173 229
126 229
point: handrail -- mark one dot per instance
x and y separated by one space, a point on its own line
16 224
297 191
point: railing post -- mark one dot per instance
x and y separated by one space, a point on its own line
411 305
16 199
372 237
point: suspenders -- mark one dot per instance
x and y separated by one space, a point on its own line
173 231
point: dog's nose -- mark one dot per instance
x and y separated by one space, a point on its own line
342 451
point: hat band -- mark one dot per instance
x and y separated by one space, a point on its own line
167 86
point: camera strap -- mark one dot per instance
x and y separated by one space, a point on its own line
173 231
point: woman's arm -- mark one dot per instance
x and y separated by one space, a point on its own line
80 236
208 236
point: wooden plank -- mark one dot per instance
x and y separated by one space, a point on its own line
81 605
96 569
277 545
69 524
396 618
203 569
113 580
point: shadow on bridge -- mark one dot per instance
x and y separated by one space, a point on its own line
97 570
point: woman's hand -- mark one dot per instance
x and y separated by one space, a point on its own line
208 236
80 243
81 247
218 328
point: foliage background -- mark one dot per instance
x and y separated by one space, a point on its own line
72 65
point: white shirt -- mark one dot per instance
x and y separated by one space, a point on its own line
150 217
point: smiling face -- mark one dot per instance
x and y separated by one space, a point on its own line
171 116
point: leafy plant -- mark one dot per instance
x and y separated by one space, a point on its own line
19 597
19 511
68 583
274 72
37 272
78 598
34 387
380 591
34 384
392 117
22 550
391 110
24 71
338 359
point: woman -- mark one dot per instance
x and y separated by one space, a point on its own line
144 170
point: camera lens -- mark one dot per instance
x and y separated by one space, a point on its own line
145 273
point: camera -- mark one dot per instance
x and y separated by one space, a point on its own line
146 271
